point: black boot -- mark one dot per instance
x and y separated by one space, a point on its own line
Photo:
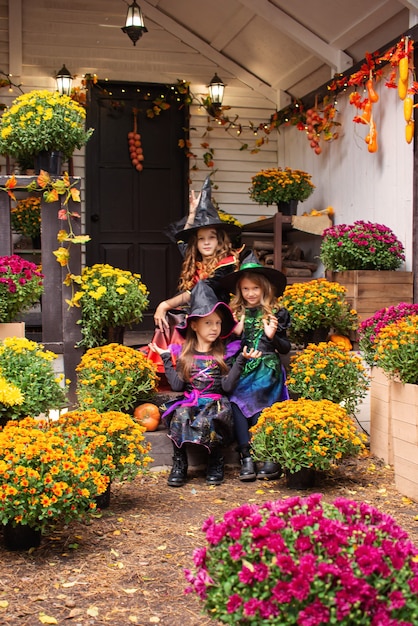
178 474
248 471
215 471
269 471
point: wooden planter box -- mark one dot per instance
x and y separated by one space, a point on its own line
369 290
404 413
13 329
381 440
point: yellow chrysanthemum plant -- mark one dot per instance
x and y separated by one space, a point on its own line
42 120
26 216
45 476
113 437
108 297
318 303
114 377
396 349
326 371
280 185
28 384
305 433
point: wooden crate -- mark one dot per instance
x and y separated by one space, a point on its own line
381 437
369 291
12 329
404 413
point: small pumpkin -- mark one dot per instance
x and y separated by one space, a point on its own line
148 415
341 341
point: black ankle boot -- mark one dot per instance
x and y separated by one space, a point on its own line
215 471
248 471
178 474
269 471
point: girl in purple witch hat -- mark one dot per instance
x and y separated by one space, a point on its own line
203 414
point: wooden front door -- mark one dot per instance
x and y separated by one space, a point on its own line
127 210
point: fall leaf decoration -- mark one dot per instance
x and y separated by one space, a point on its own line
135 148
320 124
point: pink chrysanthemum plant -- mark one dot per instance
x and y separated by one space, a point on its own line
21 285
370 328
304 562
361 246
396 349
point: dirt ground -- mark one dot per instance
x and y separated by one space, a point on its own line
126 566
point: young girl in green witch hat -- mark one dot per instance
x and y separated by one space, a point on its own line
261 326
203 415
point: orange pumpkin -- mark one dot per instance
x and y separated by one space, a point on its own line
147 415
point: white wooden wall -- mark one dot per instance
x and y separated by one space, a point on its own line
359 185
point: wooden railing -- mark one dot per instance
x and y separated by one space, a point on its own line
60 331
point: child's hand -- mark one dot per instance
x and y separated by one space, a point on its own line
239 328
154 348
270 326
251 353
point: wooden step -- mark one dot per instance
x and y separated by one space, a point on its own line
162 451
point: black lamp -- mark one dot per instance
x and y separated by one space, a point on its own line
64 81
134 26
216 91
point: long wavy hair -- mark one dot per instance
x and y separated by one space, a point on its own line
193 257
268 302
189 349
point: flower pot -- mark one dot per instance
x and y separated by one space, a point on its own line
305 478
103 500
36 243
21 537
114 334
288 208
315 335
50 161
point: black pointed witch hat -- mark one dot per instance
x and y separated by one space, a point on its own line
253 265
203 302
206 217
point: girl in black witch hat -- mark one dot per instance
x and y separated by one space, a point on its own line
262 326
203 415
204 240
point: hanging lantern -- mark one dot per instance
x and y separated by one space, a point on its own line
216 91
134 26
64 81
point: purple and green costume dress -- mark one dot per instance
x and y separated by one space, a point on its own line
262 381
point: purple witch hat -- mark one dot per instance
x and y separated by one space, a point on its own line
203 302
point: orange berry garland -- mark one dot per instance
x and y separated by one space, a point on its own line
135 146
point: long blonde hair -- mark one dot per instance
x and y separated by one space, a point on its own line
268 302
193 257
189 349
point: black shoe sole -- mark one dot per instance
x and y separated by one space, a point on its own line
272 476
247 478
